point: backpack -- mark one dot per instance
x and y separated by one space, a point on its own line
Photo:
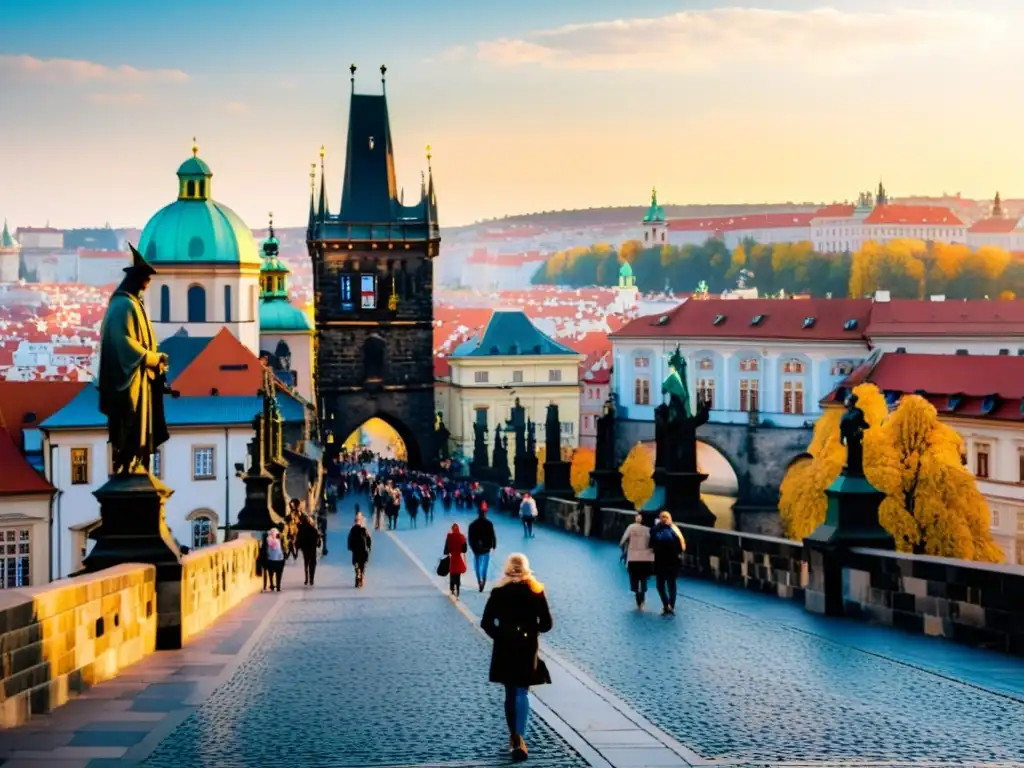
665 535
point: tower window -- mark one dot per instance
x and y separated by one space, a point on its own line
368 291
227 303
190 189
346 293
196 304
165 304
202 188
371 142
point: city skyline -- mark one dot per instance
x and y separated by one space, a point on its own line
527 107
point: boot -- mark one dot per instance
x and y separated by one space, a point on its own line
519 751
639 600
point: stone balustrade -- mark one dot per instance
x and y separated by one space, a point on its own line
59 639
214 580
976 604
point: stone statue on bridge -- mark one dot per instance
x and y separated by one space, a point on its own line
517 423
678 433
553 434
675 386
442 437
132 374
851 433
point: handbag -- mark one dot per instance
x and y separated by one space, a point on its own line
444 565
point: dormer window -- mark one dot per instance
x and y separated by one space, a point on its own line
758 319
371 142
809 322
719 319
954 402
850 325
988 404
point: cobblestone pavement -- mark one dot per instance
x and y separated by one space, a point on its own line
746 679
390 675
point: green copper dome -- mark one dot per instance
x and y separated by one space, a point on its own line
196 229
278 315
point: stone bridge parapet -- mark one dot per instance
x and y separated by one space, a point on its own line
214 580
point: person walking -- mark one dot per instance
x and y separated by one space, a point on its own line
668 544
262 563
359 544
515 615
639 557
455 547
275 558
528 513
483 541
308 541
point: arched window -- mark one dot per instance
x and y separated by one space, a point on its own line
202 188
793 366
203 523
165 304
190 189
842 367
227 303
196 304
374 351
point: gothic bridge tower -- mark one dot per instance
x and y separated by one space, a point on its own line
373 281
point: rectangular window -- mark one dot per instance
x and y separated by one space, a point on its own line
202 464
347 305
706 392
368 291
1020 529
156 464
1020 551
15 558
793 397
79 466
981 460
641 362
1020 465
586 422
480 377
642 391
554 375
749 390
517 377
481 416
203 533
568 429
995 518
227 303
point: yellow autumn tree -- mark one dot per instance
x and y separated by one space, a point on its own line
1007 296
542 456
629 250
933 505
802 500
637 471
583 462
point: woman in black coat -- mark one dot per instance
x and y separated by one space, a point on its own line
516 614
359 544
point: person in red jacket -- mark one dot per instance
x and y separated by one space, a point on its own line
455 547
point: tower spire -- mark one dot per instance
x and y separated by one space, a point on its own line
312 193
431 197
352 76
323 186
195 147
270 225
997 207
383 78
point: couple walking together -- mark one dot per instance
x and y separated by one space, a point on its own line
659 549
481 539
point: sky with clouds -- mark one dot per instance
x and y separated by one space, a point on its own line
528 104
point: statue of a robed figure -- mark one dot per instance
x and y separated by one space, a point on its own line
132 383
132 374
525 460
557 473
677 478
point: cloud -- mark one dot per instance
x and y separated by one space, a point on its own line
76 71
697 41
236 107
117 98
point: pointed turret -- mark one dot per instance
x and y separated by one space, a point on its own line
369 194
655 213
312 209
881 198
997 207
431 196
323 212
7 242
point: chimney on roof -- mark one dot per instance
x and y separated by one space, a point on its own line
882 296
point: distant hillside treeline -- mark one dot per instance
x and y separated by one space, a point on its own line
634 214
906 268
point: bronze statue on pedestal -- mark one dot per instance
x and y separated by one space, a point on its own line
851 433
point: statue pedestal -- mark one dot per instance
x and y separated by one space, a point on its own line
278 496
133 530
526 472
851 521
557 475
678 493
608 483
257 514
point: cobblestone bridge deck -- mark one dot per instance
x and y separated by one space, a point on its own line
395 675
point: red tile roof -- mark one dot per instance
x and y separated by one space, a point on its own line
835 211
908 317
740 223
21 399
913 214
85 253
18 477
978 386
442 368
225 364
998 226
781 319
600 376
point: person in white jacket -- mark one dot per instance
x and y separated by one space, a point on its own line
639 557
527 514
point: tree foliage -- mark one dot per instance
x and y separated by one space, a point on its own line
906 268
583 463
932 503
637 475
542 456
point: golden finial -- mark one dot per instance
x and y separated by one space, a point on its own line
312 175
270 215
429 155
195 147
654 193
322 151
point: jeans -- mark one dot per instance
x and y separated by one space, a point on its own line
638 575
480 563
665 576
528 526
276 568
517 708
309 564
